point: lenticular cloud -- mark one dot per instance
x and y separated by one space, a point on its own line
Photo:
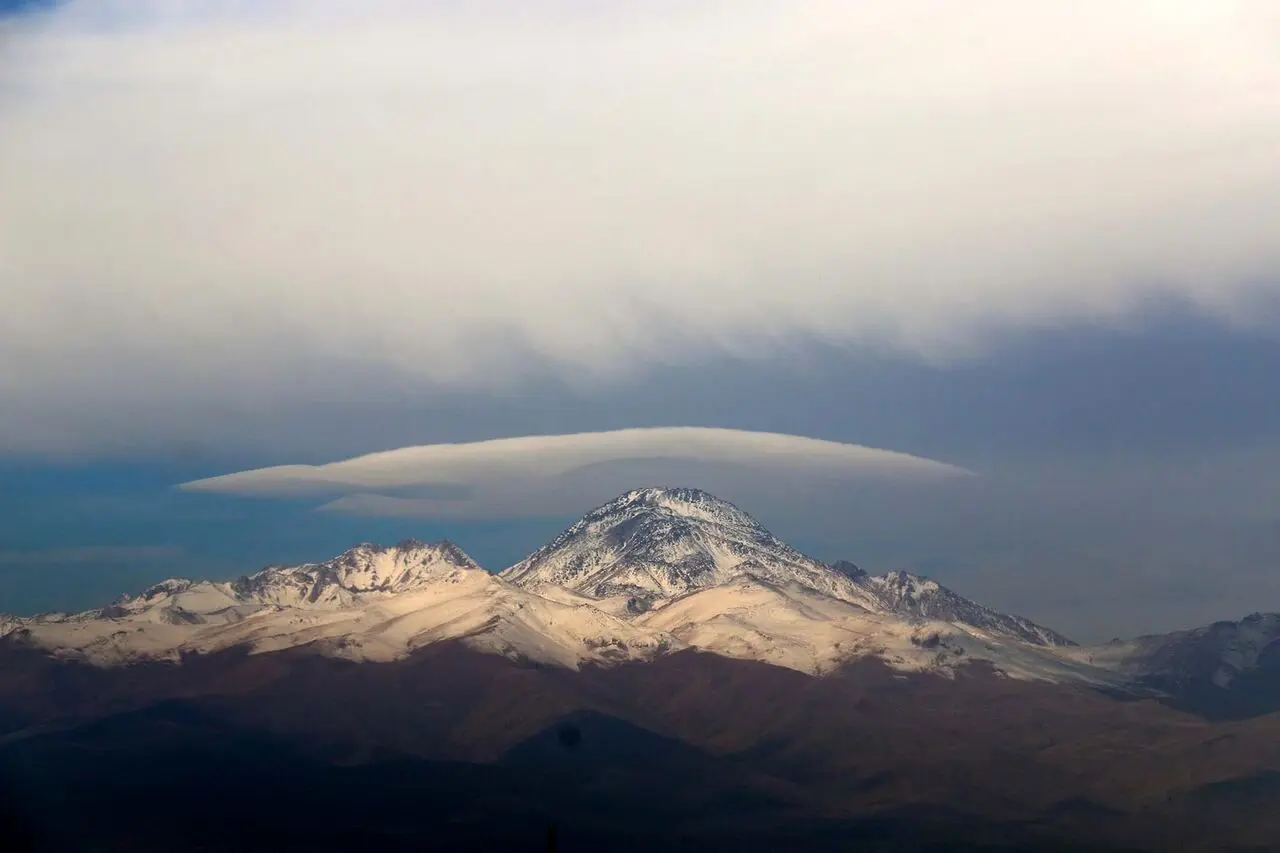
532 475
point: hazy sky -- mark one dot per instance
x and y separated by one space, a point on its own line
1039 242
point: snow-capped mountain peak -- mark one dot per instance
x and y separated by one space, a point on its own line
682 502
363 570
164 589
651 546
656 543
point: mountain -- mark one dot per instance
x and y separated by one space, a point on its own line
370 603
914 597
650 573
1226 670
362 571
848 569
795 626
361 574
651 545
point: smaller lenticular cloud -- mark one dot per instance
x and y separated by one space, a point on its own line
552 474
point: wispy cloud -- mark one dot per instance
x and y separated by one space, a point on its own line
89 554
460 196
552 474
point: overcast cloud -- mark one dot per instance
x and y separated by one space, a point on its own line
255 202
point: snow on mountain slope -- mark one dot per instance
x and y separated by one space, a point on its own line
788 626
655 544
365 571
472 605
369 603
914 597
653 571
1217 653
361 572
652 545
798 628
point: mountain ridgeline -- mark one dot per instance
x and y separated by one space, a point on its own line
652 572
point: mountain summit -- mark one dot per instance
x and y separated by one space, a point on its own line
363 570
659 543
653 545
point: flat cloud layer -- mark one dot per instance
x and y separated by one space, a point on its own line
552 474
257 203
